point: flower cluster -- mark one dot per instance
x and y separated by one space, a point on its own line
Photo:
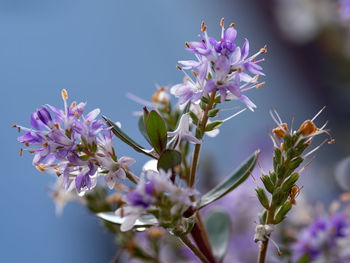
326 239
220 66
72 145
156 194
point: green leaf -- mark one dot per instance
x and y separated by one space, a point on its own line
141 222
142 128
187 107
304 259
156 130
230 183
169 159
125 138
218 225
213 125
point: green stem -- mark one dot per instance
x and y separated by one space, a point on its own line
269 221
197 148
194 249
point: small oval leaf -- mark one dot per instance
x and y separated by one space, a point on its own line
230 183
169 159
156 131
218 225
142 128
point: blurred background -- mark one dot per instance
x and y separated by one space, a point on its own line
99 50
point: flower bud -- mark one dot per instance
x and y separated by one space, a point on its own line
268 183
262 197
281 131
155 232
307 128
278 196
288 184
281 214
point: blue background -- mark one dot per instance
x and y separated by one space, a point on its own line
98 51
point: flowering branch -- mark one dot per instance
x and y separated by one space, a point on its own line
281 183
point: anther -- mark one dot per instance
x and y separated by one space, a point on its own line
178 67
74 103
41 167
45 144
260 85
20 152
203 27
194 73
14 125
64 94
232 24
18 129
57 126
263 50
187 45
222 22
26 143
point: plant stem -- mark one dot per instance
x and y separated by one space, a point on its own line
265 243
269 221
194 249
201 225
197 148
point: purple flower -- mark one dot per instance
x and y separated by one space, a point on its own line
323 238
221 66
70 144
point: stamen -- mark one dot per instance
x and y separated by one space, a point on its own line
260 85
20 152
302 169
222 22
194 73
232 25
178 67
203 27
57 126
318 113
41 167
315 149
26 143
45 144
263 50
74 103
18 129
14 125
64 94
234 115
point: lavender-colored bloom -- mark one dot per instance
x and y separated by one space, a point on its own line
221 66
157 191
322 238
72 145
344 10
182 131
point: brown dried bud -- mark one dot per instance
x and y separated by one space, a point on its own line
155 232
307 128
280 131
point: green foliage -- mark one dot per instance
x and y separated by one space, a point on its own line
169 159
156 131
218 225
125 138
230 183
264 201
213 125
